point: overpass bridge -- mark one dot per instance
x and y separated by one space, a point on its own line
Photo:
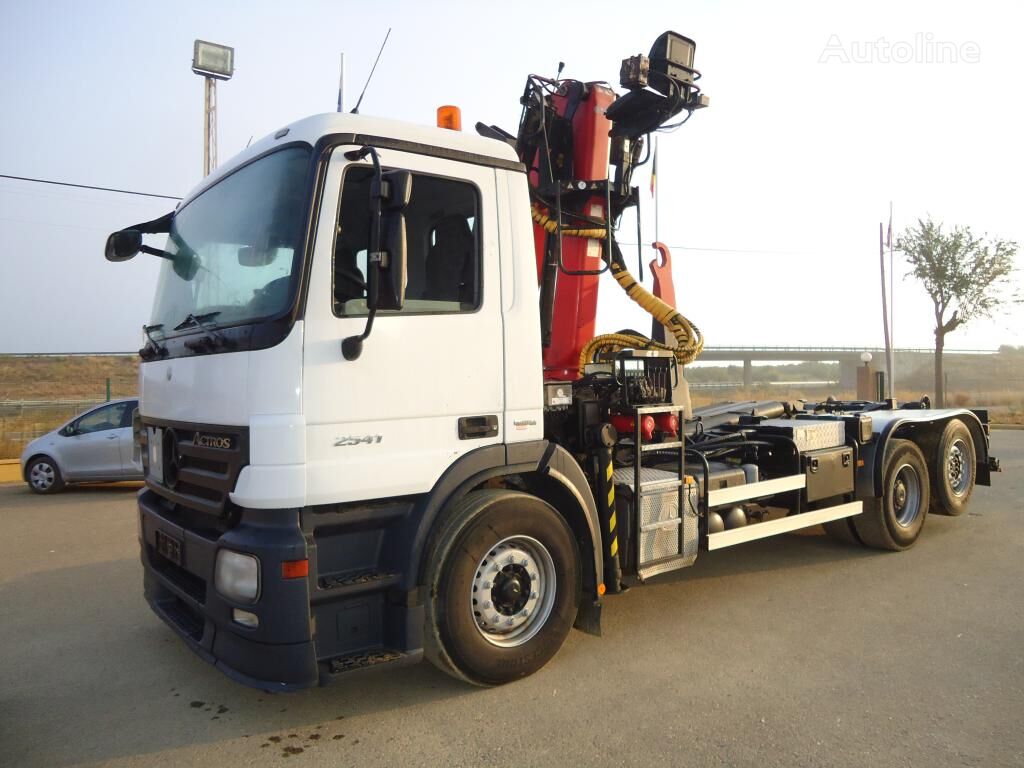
847 357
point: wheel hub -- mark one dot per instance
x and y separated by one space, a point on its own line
958 470
906 496
513 591
900 495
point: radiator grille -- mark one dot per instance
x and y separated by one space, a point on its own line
200 464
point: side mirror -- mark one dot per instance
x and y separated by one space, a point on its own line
123 245
398 190
386 274
70 430
393 275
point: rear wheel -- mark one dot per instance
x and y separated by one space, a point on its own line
842 530
44 475
894 522
953 481
504 581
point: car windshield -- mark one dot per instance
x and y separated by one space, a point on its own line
242 241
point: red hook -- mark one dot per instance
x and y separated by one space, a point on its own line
664 288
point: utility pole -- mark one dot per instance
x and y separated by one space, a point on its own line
212 62
892 309
885 309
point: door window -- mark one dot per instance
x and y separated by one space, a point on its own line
108 417
443 245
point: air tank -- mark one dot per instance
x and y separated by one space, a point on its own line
735 518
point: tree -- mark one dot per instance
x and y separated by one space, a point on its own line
968 275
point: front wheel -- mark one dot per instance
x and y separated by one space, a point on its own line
504 581
44 476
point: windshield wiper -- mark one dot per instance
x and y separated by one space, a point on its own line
213 337
154 348
200 320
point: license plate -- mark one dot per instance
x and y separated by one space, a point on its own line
168 547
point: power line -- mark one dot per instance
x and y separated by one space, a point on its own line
88 186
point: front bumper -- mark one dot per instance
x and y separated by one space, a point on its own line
279 654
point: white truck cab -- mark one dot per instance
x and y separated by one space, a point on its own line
250 412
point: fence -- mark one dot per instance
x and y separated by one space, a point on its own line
23 420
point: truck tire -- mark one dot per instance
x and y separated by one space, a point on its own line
842 530
895 521
43 475
953 479
504 587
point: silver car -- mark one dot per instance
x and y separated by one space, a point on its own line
95 446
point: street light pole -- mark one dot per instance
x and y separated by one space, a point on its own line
210 126
213 62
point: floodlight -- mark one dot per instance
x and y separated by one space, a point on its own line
672 56
213 60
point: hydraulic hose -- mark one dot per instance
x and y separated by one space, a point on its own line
688 336
551 226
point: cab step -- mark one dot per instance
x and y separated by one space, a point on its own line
372 658
351 584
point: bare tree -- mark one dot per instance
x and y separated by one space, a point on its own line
968 275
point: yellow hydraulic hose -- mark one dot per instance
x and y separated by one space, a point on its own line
551 226
688 336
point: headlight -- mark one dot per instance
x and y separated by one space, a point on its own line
237 576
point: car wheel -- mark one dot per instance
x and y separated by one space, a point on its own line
43 475
504 581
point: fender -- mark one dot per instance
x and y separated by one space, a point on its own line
902 424
535 457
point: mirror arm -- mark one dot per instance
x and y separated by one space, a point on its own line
352 346
156 252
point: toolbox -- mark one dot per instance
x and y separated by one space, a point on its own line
829 472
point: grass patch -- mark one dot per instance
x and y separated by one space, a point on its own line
39 393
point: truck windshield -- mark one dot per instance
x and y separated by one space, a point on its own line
244 234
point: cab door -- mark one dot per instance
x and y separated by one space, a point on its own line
428 386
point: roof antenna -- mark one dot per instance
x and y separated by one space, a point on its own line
355 109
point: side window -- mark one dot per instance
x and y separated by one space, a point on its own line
110 417
129 410
443 245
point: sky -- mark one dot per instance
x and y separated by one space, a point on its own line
821 114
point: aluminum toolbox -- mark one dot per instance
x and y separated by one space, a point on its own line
808 434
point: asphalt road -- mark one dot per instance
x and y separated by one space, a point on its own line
788 652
